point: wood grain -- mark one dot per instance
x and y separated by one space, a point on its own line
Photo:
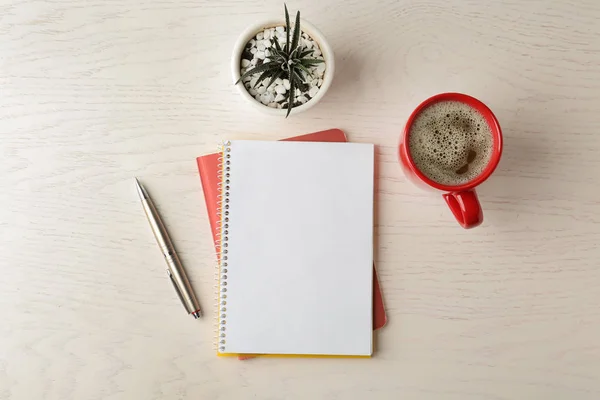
95 92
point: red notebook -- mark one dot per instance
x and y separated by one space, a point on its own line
209 175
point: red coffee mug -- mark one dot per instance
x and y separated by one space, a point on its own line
462 199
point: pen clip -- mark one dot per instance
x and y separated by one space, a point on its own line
176 289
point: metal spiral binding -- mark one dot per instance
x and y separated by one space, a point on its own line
224 167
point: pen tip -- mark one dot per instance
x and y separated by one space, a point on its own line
197 314
140 189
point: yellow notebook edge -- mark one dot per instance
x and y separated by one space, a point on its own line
225 355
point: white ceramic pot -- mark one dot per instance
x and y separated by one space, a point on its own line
311 31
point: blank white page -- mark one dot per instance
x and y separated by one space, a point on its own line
299 241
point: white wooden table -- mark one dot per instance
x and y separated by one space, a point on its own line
93 93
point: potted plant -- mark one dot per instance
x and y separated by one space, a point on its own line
281 68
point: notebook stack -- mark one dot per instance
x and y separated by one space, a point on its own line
293 229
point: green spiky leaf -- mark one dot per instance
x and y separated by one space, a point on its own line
291 96
260 68
305 70
275 43
306 53
274 77
288 28
299 82
277 57
294 52
309 62
296 75
277 52
296 37
265 75
313 60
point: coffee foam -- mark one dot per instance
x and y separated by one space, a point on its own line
451 142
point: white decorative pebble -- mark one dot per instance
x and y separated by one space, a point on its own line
280 29
280 89
267 43
261 47
320 82
259 36
253 62
286 84
253 50
267 34
266 98
321 69
278 81
273 105
252 91
245 63
279 105
317 52
267 59
257 97
254 80
313 91
260 54
302 99
261 90
279 97
267 53
308 44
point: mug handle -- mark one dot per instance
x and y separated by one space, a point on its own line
465 207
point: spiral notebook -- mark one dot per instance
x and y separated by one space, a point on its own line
296 253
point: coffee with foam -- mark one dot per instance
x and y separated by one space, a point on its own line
451 142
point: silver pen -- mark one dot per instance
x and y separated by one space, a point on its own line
175 269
